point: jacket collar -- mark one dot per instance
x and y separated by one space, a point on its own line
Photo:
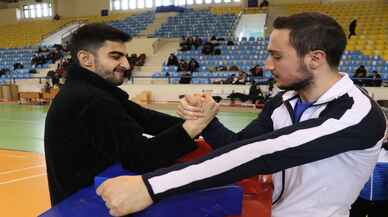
338 89
76 72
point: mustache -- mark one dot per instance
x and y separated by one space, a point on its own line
127 71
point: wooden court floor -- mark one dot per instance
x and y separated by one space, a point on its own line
23 184
23 179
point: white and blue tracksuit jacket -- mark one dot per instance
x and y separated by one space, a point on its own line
327 157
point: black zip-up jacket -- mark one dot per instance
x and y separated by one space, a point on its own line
91 125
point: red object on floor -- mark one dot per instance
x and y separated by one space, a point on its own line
257 200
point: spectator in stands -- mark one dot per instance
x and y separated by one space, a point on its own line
190 41
352 28
18 66
234 68
360 75
230 43
50 74
55 79
361 72
43 50
172 60
264 4
256 71
241 78
217 51
269 93
4 71
141 60
208 48
92 125
221 68
132 59
56 17
185 45
255 94
33 71
230 79
214 40
47 87
376 79
34 60
310 136
185 77
197 42
183 66
193 65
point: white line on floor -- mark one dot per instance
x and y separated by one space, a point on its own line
21 169
21 179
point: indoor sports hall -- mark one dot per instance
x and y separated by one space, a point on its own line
219 52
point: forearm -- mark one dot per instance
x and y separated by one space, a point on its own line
141 154
269 153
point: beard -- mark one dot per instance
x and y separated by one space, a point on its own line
302 83
110 75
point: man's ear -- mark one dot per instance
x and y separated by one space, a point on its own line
315 59
86 59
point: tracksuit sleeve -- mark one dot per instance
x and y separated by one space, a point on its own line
217 135
340 129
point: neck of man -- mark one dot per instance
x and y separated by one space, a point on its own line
322 82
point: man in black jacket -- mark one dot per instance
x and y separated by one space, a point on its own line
91 124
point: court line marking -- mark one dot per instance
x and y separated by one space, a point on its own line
22 179
21 169
13 156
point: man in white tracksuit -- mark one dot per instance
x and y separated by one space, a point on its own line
320 137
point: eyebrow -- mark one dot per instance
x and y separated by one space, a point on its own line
116 53
274 52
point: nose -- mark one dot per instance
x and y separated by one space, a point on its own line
269 63
124 62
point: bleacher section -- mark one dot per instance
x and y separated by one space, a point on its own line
8 57
30 33
226 10
27 33
201 23
133 25
351 60
372 23
244 54
250 52
236 10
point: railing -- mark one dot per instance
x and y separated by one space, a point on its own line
46 35
12 80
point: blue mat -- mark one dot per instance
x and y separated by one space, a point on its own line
213 202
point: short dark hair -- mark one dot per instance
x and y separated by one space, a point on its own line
92 36
314 31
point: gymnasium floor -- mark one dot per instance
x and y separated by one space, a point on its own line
23 182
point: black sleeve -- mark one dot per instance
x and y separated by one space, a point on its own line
112 125
218 135
144 117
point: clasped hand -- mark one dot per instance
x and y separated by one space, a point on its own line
128 194
198 110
